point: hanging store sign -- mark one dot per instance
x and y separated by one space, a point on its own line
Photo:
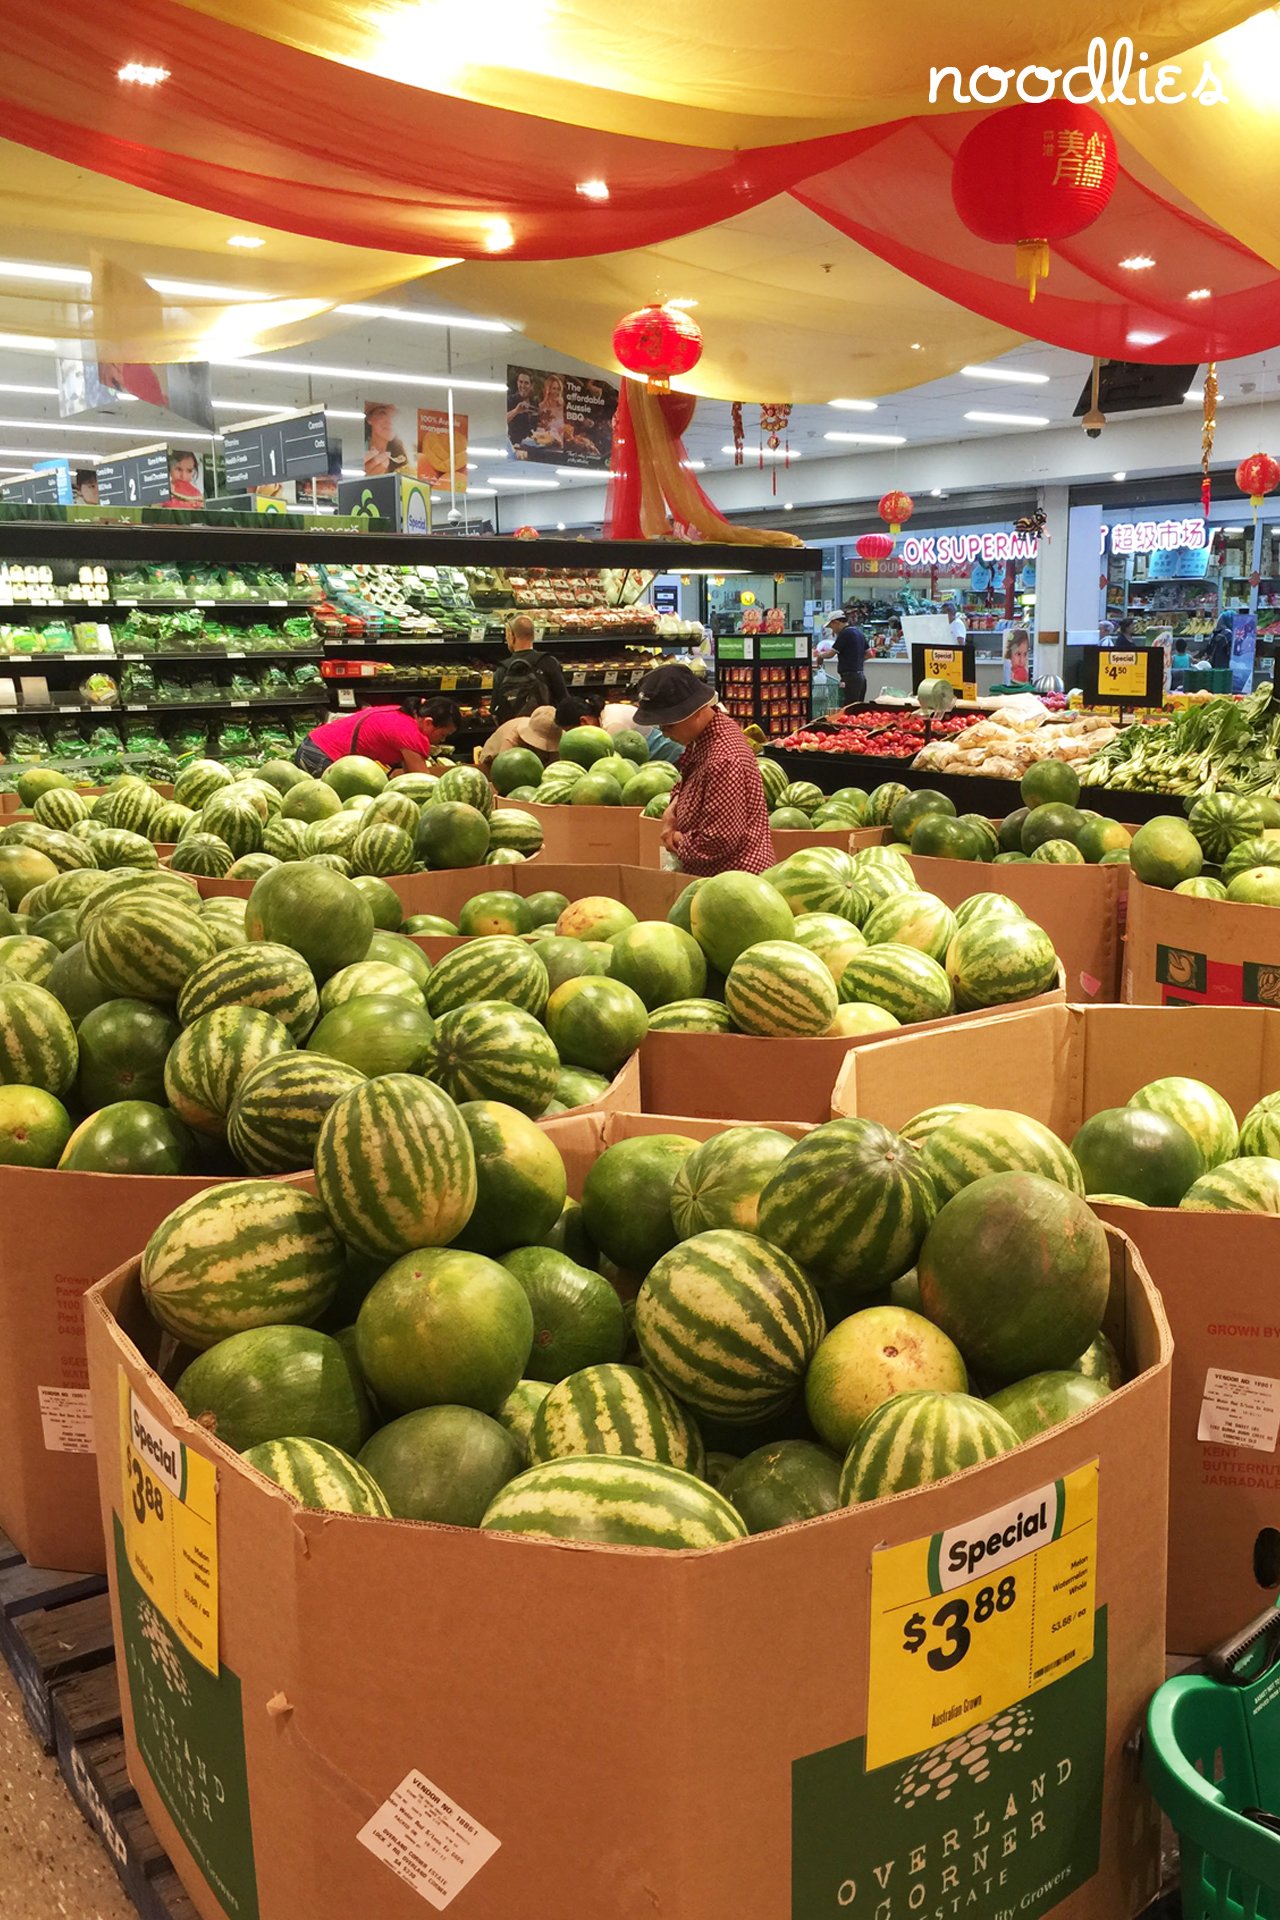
961 550
281 446
1152 536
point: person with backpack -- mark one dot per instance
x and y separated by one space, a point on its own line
529 679
402 739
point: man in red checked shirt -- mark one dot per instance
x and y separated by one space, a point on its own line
718 817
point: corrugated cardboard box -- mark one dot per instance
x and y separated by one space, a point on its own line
580 834
558 1732
785 840
1218 1273
1182 952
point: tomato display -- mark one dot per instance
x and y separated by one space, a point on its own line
886 734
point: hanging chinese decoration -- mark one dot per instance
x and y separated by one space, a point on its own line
653 491
1258 476
895 509
659 342
739 432
1032 174
873 547
1207 428
775 418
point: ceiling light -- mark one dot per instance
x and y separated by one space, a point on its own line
1231 529
576 473
518 480
693 466
498 236
788 506
1013 374
32 343
592 189
412 317
247 240
49 391
769 453
140 75
481 493
1119 476
490 453
854 406
917 346
270 406
91 426
36 270
936 493
1137 263
1010 419
1201 293
559 526
50 453
353 473
870 439
1195 396
366 376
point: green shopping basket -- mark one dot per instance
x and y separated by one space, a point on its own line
1212 1760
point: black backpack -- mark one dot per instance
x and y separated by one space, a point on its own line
521 688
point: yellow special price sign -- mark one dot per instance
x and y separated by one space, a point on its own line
945 663
1123 676
968 1621
170 1525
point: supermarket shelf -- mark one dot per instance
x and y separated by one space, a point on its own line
39 662
431 642
145 604
163 706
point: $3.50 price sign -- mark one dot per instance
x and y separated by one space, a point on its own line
967 1621
170 1525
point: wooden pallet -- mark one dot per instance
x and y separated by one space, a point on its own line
55 1636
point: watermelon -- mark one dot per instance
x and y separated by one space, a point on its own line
733 911
368 977
614 1409
145 944
918 1438
516 767
210 1058
981 906
378 1034
276 1114
680 912
27 957
116 848
691 1016
546 906
595 917
773 779
776 1485
780 989
198 781
60 929
659 962
384 901
912 920
61 808
38 780
353 774
1045 1400
394 808
512 833
382 848
74 984
987 1140
336 835
1260 1129
265 975
495 912
1100 1361
420 924
720 1183
918 1129
1249 1185
225 921
123 1047
252 866
577 1317
868 1358
851 1204
318 1475
494 1051
596 1022
994 961
901 979
621 1502
443 1327
575 1087
250 1253
1220 821
811 882
499 968
281 774
466 785
231 817
566 959
729 1324
520 1179
321 915
394 1166
442 1464
452 833
827 933
285 839
858 1017
1197 1108
1016 1270
1058 853
310 802
38 1046
1140 1154
802 794
517 1411
397 950
34 1127
21 869
626 1198
268 1383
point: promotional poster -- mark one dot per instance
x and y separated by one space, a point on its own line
433 450
560 419
389 437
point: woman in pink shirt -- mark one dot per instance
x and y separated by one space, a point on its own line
402 739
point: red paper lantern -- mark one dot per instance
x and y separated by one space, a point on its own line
896 508
659 342
1031 174
1256 476
874 547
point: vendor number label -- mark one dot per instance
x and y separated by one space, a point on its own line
968 1621
170 1525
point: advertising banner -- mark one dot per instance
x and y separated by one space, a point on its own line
390 437
85 386
560 419
433 449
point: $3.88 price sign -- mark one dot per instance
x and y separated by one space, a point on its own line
170 1525
968 1621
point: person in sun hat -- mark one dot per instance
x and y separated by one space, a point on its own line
718 818
539 730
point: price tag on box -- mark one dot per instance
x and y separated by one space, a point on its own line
968 1621
448 681
170 1525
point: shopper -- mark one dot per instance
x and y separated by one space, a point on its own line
402 739
959 626
529 679
849 645
718 818
1220 641
539 731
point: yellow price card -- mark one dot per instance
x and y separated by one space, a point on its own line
968 1621
448 681
945 663
170 1525
1123 676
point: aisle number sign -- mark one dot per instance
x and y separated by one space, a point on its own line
955 665
170 1525
966 1622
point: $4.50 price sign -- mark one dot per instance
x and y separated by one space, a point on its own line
170 1525
1123 674
967 1621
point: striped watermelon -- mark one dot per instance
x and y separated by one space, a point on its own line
247 1253
319 914
395 1167
231 816
992 961
333 861
912 920
68 853
365 978
117 848
1200 1109
773 779
729 1324
830 936
146 943
802 794
267 800
982 906
596 1023
64 890
983 1140
382 848
378 1033
691 1016
916 1439
170 821
468 785
879 882
901 979
38 1046
202 854
318 1475
498 968
504 857
286 839
396 808
131 806
61 808
811 882
615 1409
337 833
513 830
273 978
111 888
517 1411
1260 1129
197 782
1249 1185
252 866
210 1058
225 920
28 957
491 1050
278 1108
615 1502
720 1184
885 854
397 950
851 1204
918 1129
781 989
882 800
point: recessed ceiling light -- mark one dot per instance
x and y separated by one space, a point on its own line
366 376
1137 263
854 406
917 346
247 240
1015 375
1200 293
766 453
936 493
693 466
1119 476
1010 419
414 317
788 506
870 439
593 189
518 480
499 235
559 526
140 75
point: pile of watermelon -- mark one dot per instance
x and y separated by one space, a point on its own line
718 1339
594 769
145 1030
801 806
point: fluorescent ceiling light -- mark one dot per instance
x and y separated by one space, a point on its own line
768 453
694 466
35 270
50 453
44 391
854 406
592 189
247 240
71 426
207 290
367 376
31 343
1010 419
251 408
481 493
353 473
870 439
1119 476
1195 396
1231 529
490 453
412 317
141 75
1012 374
518 480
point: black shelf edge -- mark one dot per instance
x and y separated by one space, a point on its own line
431 642
145 604
162 706
37 662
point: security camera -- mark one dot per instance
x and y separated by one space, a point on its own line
453 516
1094 433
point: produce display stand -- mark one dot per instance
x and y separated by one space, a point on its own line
1216 1272
1184 952
972 793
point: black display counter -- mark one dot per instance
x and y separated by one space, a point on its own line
970 792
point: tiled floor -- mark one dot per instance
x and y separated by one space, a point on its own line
51 1866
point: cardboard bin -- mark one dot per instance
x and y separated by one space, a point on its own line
785 840
1182 952
648 894
581 834
402 1713
1217 1272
